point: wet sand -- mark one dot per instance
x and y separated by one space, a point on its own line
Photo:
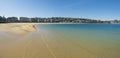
21 41
18 40
25 41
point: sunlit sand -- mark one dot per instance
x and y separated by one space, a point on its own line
17 28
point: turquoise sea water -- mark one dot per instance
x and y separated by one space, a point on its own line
98 40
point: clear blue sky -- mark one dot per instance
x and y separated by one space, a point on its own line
94 9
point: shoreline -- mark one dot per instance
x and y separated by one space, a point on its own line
23 28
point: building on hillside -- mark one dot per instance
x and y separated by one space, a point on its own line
12 19
2 19
34 19
25 19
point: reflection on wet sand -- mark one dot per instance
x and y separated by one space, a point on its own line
29 46
37 45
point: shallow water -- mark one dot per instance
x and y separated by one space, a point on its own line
83 40
64 41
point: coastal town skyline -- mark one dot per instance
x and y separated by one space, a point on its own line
4 19
92 9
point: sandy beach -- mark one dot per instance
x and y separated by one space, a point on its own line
18 40
18 28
